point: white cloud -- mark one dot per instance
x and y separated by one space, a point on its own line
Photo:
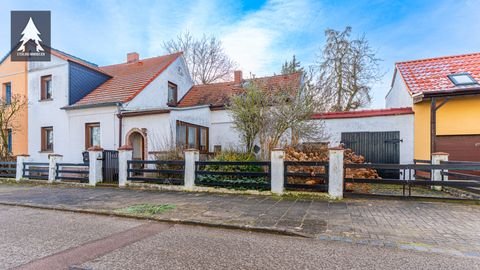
260 41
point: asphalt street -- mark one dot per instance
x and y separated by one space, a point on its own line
46 239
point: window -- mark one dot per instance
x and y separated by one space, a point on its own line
46 88
47 139
462 79
92 135
192 136
8 93
172 94
9 140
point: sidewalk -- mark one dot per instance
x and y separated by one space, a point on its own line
425 226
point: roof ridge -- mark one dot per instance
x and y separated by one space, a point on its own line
75 57
233 82
140 60
437 58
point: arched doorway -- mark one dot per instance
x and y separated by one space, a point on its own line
136 138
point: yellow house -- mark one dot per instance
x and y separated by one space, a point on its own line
445 95
13 82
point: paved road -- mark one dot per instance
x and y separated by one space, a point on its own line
447 228
46 239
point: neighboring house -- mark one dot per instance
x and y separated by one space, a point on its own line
380 135
13 81
51 86
445 95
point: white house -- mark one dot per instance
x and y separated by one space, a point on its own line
150 104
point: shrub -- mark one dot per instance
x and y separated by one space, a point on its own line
239 182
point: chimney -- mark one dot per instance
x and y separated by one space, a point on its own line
132 57
237 74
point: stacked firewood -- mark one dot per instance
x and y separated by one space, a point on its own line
320 154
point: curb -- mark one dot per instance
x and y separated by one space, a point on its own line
111 213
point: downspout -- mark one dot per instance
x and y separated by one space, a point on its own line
433 125
120 118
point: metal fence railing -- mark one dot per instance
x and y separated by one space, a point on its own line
306 175
35 170
8 169
72 172
233 174
169 172
409 177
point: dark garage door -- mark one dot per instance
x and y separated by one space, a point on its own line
376 147
460 147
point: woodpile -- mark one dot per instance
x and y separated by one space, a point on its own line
320 154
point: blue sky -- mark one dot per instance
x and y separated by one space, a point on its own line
258 35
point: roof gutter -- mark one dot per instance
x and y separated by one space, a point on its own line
88 106
458 92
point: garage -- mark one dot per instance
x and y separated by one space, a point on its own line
460 147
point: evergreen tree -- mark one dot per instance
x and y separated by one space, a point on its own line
291 66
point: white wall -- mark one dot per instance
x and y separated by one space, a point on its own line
106 116
398 96
155 95
157 127
402 123
222 131
48 113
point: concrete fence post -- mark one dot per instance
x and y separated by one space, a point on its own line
335 173
191 156
19 171
437 158
277 176
53 159
125 153
95 172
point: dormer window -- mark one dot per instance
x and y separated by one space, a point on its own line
460 79
172 94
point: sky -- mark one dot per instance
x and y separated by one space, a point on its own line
258 35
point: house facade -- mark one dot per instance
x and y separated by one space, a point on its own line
444 93
14 82
150 104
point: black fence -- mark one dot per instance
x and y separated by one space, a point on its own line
306 175
409 176
8 169
35 170
169 172
72 172
233 174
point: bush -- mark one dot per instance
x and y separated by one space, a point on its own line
239 182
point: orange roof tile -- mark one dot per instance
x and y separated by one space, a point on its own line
218 94
431 74
128 80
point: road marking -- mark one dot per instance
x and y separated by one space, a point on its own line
91 250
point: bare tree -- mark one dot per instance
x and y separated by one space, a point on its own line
10 110
346 70
248 113
205 57
275 115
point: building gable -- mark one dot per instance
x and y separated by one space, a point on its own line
82 81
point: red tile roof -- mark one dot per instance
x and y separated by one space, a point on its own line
128 80
431 74
363 113
218 94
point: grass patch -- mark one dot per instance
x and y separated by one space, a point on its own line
147 209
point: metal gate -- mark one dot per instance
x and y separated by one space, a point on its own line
110 166
376 147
